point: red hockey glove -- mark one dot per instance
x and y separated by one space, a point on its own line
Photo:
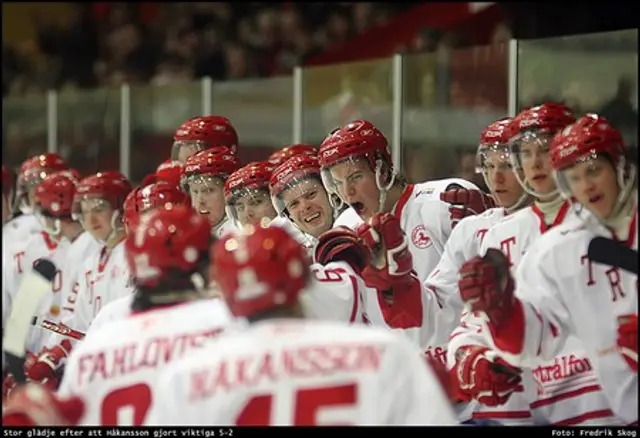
33 405
391 264
48 363
9 383
342 244
465 202
483 376
628 339
487 285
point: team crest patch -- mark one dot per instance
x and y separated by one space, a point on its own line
419 237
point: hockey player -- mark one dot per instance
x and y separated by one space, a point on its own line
284 370
356 164
160 195
32 171
53 206
464 242
203 177
200 133
246 194
98 205
561 294
571 397
115 369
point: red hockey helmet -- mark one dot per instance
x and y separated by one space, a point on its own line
217 162
289 175
166 241
246 193
535 127
359 139
282 155
37 168
54 195
161 194
592 136
169 171
109 187
253 176
259 269
200 133
131 209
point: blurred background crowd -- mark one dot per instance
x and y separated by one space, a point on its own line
455 75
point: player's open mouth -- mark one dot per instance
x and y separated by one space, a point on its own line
595 199
312 218
203 212
358 207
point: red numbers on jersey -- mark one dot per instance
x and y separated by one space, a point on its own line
334 275
309 407
132 401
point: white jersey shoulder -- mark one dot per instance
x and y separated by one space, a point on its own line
348 218
115 370
302 238
17 229
303 373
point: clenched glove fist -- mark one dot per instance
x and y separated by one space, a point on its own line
46 368
483 376
391 262
465 202
486 285
628 340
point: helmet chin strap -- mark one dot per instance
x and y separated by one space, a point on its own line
115 228
626 181
382 189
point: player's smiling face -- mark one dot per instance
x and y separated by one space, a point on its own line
308 206
355 182
594 183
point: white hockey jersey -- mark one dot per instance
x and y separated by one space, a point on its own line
303 373
106 278
556 392
115 370
565 295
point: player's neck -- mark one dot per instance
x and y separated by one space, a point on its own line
550 208
71 231
393 196
115 240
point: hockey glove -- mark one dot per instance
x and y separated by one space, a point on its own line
464 202
485 377
486 285
628 339
391 264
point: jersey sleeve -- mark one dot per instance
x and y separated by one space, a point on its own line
333 294
470 331
540 322
80 318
